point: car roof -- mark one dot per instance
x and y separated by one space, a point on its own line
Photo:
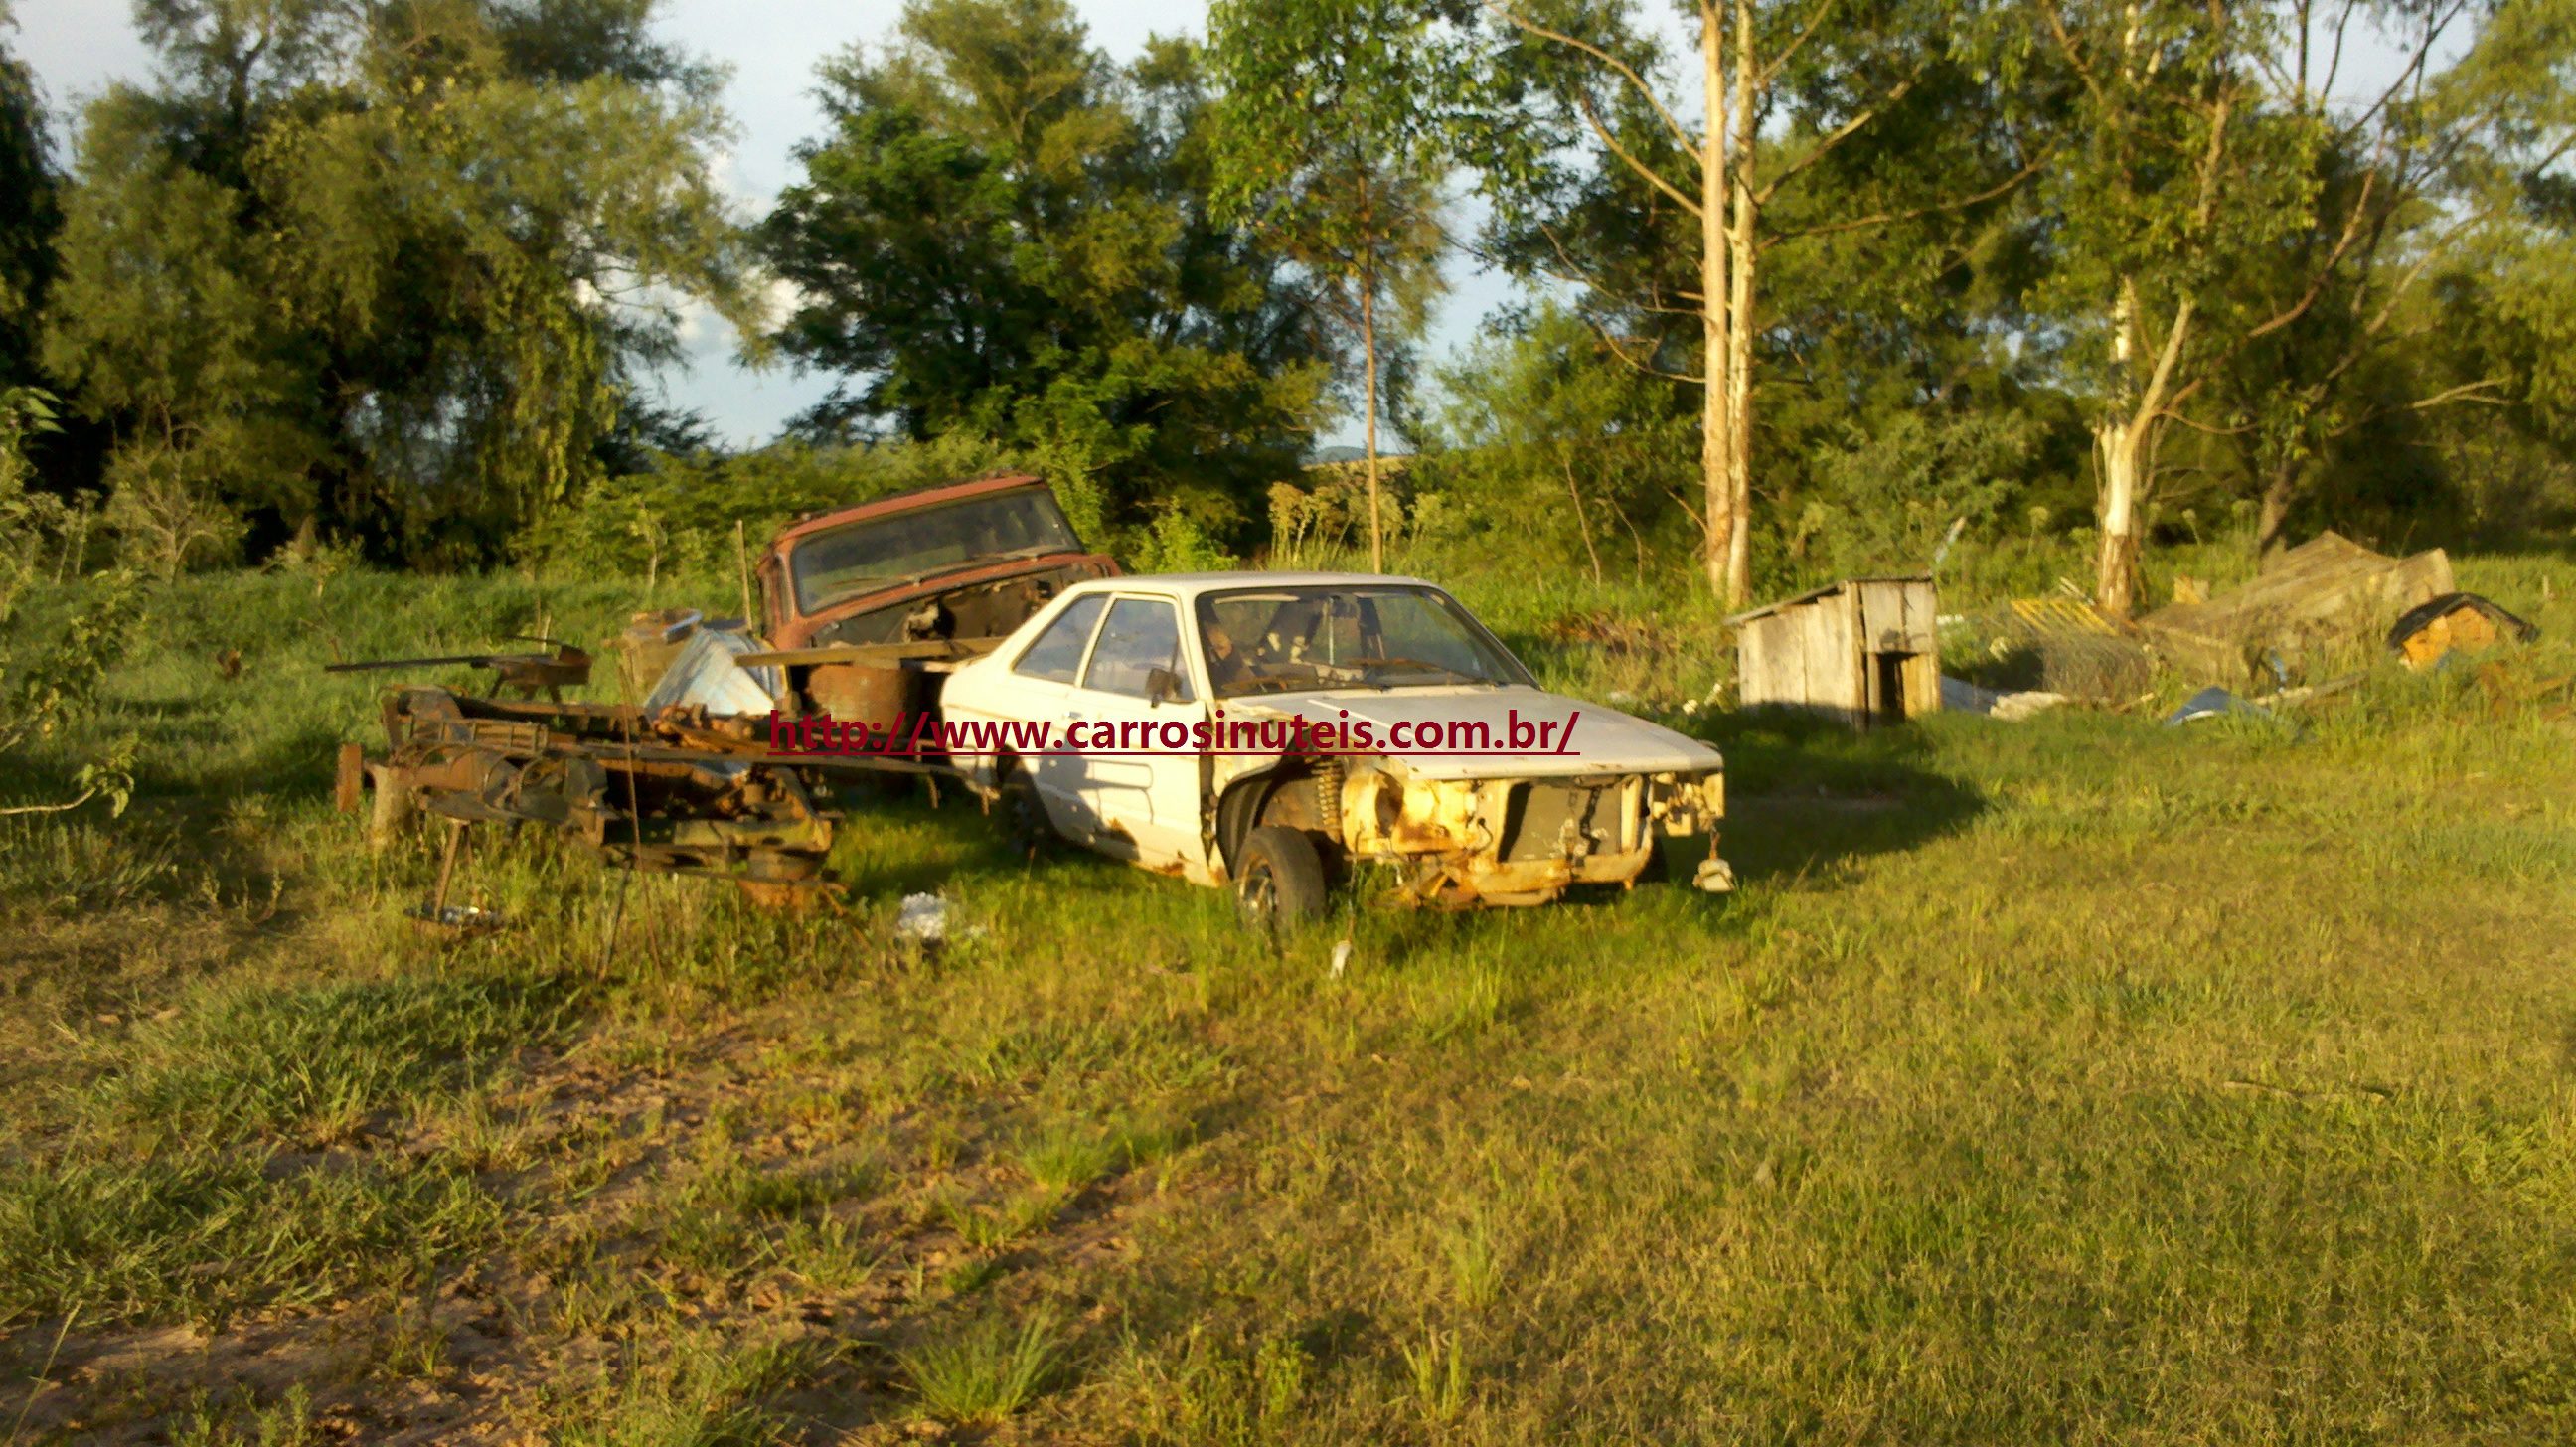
1192 585
934 495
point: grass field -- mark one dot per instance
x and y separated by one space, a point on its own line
2080 1080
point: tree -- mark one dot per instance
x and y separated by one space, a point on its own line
1008 235
387 266
2436 179
28 224
2235 230
1552 415
1327 137
2161 192
1781 87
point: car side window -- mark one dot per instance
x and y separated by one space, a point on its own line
1057 655
1142 634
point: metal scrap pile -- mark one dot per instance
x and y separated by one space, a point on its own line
2311 612
2079 652
2306 626
674 788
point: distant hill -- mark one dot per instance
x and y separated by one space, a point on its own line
1324 456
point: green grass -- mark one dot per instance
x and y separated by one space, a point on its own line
318 1061
201 1237
692 1389
2082 1080
984 1371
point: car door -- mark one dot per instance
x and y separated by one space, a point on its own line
1139 700
1041 689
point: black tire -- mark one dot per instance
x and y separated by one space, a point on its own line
1279 882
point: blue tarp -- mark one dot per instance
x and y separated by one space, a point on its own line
2212 702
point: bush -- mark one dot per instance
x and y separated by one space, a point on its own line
1176 544
1881 498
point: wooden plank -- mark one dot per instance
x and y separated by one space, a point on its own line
1815 648
1783 677
1922 684
1922 618
1860 664
1833 657
1789 656
1882 616
1752 664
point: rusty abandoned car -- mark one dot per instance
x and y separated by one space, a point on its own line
1324 721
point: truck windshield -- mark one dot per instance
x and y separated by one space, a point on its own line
1280 640
888 551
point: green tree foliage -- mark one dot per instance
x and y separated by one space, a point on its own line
385 267
2179 170
1006 234
29 214
1667 183
1547 437
1331 136
2242 246
53 658
675 518
2464 388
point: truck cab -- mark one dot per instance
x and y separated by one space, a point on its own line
960 560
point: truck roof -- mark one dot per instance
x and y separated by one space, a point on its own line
908 500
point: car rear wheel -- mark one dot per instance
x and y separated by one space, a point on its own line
1023 813
1280 883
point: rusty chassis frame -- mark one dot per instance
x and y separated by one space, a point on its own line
676 790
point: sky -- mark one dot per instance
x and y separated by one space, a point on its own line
78 47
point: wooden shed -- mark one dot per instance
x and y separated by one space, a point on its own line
1862 650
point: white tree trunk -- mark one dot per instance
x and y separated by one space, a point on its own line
1739 329
2124 442
1368 347
2116 448
1724 527
1739 400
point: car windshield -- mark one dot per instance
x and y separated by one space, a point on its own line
879 552
1278 640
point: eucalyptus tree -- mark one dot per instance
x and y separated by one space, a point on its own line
2241 230
1331 135
2439 201
1597 132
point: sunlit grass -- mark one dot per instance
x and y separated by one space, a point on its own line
2080 1080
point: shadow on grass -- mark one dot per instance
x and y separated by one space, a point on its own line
1805 794
893 843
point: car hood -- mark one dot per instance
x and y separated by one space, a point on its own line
1605 741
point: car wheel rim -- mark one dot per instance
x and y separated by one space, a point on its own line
1260 896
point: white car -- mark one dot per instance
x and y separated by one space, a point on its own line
1268 730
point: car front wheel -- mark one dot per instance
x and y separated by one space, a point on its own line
1281 882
